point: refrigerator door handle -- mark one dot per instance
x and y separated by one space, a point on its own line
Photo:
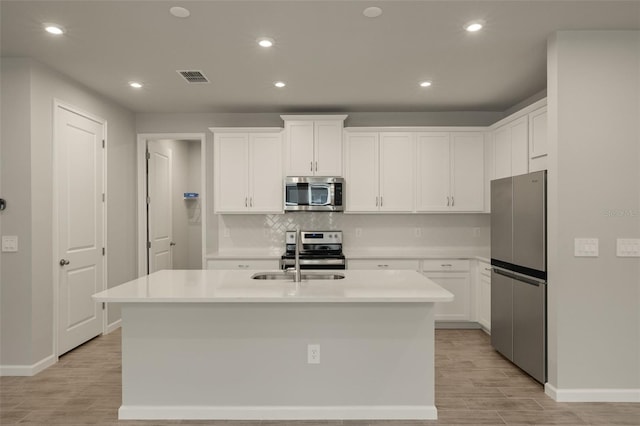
518 277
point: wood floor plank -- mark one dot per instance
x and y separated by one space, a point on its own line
474 385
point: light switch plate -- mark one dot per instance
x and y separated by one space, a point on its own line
585 247
628 247
9 243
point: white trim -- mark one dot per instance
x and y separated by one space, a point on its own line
246 129
418 129
314 117
113 326
520 113
383 412
57 103
142 191
592 395
28 370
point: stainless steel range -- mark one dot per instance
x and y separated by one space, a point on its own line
319 250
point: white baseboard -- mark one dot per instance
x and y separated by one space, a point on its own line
27 370
460 325
592 395
138 412
114 326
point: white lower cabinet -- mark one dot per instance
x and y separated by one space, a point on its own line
240 264
483 295
368 264
453 275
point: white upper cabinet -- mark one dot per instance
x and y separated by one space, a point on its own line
450 168
248 171
313 145
379 172
511 148
538 140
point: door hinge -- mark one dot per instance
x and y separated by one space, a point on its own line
148 244
103 197
103 305
148 200
103 143
104 251
148 155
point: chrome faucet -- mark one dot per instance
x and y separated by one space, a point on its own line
298 276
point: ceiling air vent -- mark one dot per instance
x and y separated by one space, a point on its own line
194 76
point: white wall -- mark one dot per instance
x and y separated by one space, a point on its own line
594 191
34 223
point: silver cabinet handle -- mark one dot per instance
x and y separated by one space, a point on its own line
448 201
250 201
243 266
446 264
64 262
245 202
376 201
316 166
381 201
453 201
383 266
310 166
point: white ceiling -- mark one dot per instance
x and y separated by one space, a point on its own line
331 57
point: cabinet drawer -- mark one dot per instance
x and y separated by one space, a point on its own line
413 265
445 265
484 268
243 264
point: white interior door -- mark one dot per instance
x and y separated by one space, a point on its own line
159 207
80 187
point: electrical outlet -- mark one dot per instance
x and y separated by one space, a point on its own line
358 232
313 354
9 243
417 232
585 247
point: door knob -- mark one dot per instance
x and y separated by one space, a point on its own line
172 244
64 262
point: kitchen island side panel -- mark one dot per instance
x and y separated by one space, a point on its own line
250 360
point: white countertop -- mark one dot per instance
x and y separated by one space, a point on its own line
225 286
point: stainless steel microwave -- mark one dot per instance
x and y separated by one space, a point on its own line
313 193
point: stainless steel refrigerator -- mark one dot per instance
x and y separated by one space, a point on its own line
519 271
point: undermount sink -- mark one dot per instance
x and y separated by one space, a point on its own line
304 276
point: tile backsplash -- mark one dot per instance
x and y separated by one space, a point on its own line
360 231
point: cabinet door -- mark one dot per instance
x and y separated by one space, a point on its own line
433 169
231 173
265 173
460 285
328 148
502 152
484 296
263 264
299 156
467 172
520 146
397 177
538 140
361 151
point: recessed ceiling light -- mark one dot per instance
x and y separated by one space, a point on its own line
279 84
54 29
425 83
135 84
372 12
179 12
474 26
265 41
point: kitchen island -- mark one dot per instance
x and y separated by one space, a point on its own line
205 344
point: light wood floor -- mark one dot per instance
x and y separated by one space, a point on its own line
474 385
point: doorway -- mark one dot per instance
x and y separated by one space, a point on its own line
171 187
